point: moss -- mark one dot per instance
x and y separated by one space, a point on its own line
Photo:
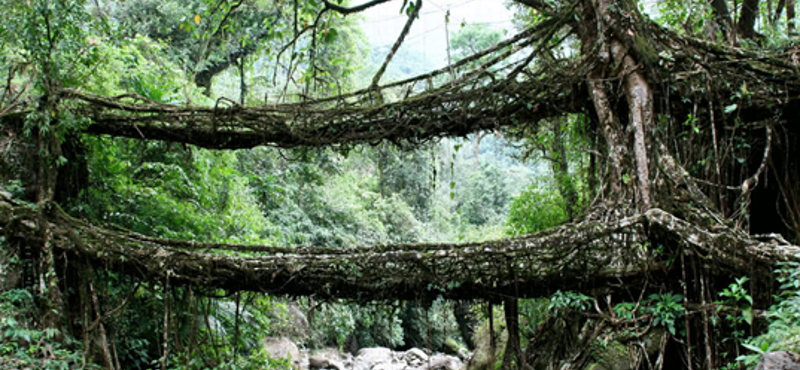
612 357
645 50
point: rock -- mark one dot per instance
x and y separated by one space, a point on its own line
415 357
780 360
315 363
327 359
442 362
373 356
279 348
389 366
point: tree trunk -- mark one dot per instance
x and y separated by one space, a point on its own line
722 16
560 166
466 322
492 337
747 18
513 352
624 151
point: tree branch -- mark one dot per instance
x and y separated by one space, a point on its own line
397 43
355 9
536 4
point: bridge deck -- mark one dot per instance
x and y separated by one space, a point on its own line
591 257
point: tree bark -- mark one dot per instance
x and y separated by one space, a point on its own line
560 166
466 322
513 352
722 16
492 337
107 357
640 103
612 52
747 18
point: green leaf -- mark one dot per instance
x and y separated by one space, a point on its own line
731 108
410 9
747 313
330 36
756 349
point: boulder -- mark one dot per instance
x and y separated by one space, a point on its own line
415 357
780 360
325 360
373 356
442 362
317 363
389 366
279 348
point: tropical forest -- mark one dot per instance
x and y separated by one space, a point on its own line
399 184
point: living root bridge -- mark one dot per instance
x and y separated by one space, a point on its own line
417 120
591 257
494 94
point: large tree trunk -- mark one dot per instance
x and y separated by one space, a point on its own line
624 152
722 16
747 19
512 356
462 311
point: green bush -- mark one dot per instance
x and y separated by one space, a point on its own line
783 332
24 345
534 210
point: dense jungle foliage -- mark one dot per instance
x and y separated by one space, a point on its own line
488 185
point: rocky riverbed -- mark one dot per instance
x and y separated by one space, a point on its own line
377 358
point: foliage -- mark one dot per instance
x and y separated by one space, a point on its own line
666 309
625 310
689 17
736 296
783 332
161 190
485 195
24 345
534 210
54 36
532 313
569 300
429 326
140 66
208 38
472 38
